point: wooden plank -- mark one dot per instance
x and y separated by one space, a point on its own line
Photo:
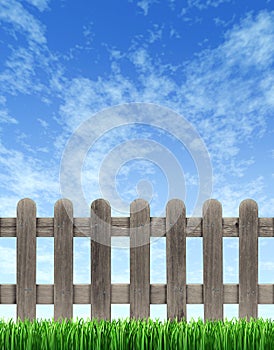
176 259
26 259
213 260
100 260
139 259
45 294
45 227
8 227
266 227
230 227
63 260
120 293
194 227
248 260
120 227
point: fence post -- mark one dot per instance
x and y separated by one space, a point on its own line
213 260
248 260
100 260
63 260
139 259
176 259
26 259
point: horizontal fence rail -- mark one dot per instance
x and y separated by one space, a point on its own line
101 293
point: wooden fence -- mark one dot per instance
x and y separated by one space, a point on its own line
140 227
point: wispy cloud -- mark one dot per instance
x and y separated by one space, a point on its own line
155 34
224 92
35 181
12 11
41 5
5 117
27 54
145 5
203 4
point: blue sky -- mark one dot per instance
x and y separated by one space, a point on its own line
66 63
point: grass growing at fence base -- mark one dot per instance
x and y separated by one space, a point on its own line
137 335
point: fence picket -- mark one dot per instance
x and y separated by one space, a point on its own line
26 259
139 259
213 260
63 259
100 260
140 294
176 259
248 260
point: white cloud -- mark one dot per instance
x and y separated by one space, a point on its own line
19 75
12 12
22 176
225 89
4 114
25 61
43 123
146 4
220 92
249 44
155 34
203 4
41 5
6 118
231 194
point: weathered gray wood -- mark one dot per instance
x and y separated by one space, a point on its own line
213 260
120 293
139 259
176 259
248 260
140 294
120 227
100 260
26 259
63 260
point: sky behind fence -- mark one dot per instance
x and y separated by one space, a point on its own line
206 67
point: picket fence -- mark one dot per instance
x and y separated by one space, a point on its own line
100 227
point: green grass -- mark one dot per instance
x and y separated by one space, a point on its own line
137 335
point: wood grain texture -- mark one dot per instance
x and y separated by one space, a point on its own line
139 259
248 260
120 293
63 260
26 259
140 294
120 227
176 259
100 260
213 260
